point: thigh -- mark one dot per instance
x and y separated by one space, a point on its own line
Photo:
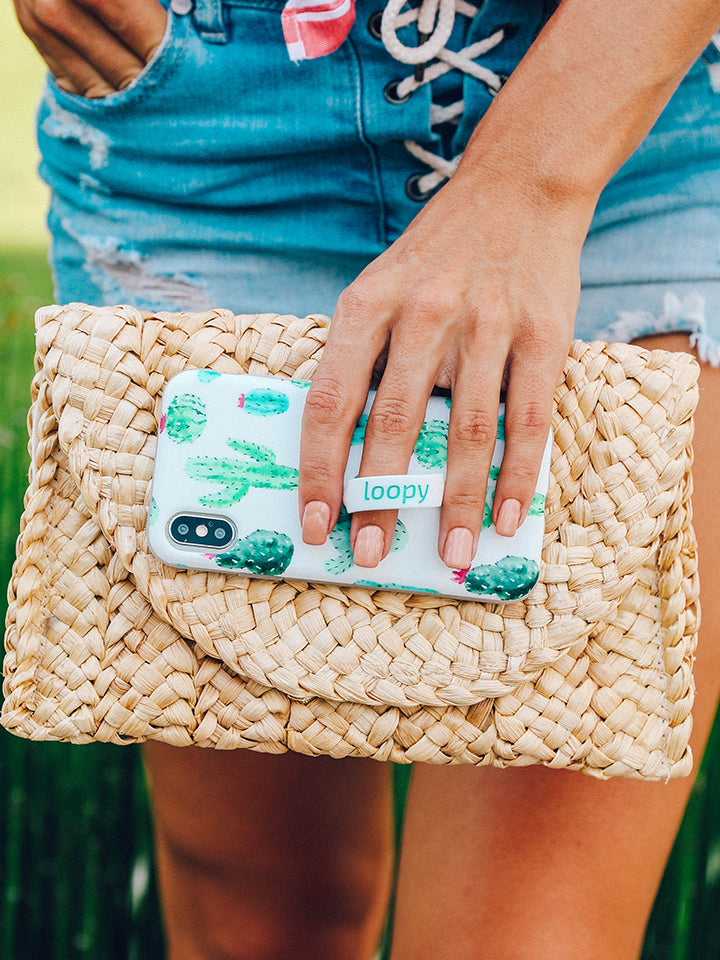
530 862
650 263
267 856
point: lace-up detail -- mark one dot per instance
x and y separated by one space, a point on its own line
435 20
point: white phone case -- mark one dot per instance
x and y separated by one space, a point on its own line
226 469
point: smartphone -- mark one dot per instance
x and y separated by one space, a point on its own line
224 496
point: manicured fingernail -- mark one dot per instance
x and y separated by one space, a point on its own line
458 549
369 546
508 518
315 522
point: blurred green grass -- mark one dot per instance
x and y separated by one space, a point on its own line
75 846
75 839
76 869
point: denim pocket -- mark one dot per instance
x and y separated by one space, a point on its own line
153 78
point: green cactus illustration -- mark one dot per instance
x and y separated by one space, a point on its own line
490 497
153 512
186 418
359 431
340 539
206 376
537 506
507 579
431 444
372 584
303 384
487 515
258 468
263 403
265 552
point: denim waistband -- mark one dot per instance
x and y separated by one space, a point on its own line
207 16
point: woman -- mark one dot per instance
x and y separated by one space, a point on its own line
192 164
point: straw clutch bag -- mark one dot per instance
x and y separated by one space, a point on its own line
592 671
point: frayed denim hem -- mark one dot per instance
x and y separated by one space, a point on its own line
680 315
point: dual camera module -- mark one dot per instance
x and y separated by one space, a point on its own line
189 530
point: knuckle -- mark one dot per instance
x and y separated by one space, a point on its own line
96 91
327 402
473 429
356 301
127 79
431 303
48 13
390 418
317 474
520 475
491 330
437 301
464 502
540 334
529 419
491 308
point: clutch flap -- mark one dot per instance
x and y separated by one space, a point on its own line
623 426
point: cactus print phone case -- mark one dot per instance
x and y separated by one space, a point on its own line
224 496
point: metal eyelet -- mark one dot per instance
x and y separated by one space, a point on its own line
391 95
509 29
374 25
412 191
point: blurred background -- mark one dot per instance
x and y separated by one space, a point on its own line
76 875
76 869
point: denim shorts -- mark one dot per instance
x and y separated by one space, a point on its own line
226 175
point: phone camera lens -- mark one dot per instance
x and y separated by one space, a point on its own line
219 534
183 529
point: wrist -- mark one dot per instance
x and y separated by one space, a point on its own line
506 184
586 94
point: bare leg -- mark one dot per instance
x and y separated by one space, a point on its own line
270 857
546 865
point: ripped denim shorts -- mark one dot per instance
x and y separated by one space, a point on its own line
226 175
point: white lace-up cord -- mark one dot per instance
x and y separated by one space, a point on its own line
435 19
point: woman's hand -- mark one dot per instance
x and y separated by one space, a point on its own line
484 282
93 47
482 286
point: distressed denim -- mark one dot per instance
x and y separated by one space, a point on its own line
226 175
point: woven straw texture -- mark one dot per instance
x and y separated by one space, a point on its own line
103 642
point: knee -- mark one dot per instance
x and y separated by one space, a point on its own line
271 907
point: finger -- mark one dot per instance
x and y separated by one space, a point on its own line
528 413
140 24
83 51
472 433
335 400
392 429
102 49
70 69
